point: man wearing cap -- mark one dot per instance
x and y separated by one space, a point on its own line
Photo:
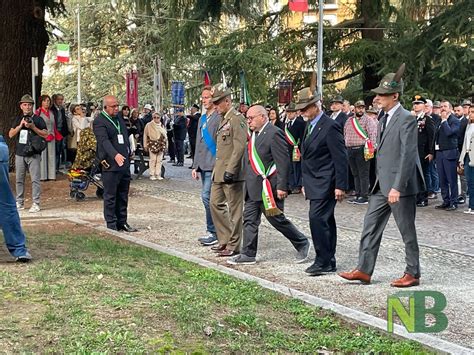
426 130
294 134
113 152
360 133
148 114
193 121
399 179
228 174
25 129
337 114
179 134
447 154
324 175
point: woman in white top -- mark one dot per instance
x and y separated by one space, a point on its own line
155 142
466 160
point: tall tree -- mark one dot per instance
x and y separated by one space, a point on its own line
23 33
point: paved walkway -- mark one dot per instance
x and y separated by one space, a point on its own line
170 213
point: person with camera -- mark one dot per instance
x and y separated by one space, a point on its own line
29 132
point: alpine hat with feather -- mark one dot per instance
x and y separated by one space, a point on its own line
391 83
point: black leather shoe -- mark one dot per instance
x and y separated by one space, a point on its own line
451 208
316 270
126 228
442 206
461 200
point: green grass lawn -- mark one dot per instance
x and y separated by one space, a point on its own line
90 293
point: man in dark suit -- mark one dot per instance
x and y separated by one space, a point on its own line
60 119
399 179
266 159
192 128
324 170
179 134
432 178
463 122
294 132
337 114
113 151
446 151
426 130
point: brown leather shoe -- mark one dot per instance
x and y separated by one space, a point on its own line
405 281
355 275
217 248
227 252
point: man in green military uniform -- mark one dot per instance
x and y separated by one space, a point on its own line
228 176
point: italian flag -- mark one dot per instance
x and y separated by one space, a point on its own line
62 53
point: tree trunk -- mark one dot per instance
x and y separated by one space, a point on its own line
370 13
23 34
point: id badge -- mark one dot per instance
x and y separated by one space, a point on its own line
436 146
23 136
120 138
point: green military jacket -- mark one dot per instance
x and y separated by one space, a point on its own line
231 142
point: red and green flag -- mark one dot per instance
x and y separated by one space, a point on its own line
62 53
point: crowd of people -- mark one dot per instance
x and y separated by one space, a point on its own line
249 158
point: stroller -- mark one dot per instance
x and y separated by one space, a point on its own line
86 168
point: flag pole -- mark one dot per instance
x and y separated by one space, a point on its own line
320 48
78 56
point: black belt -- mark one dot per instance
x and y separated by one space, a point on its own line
358 147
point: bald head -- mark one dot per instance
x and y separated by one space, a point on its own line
257 116
111 105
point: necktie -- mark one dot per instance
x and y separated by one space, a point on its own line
310 129
256 134
384 123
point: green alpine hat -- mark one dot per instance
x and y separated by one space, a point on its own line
306 97
27 99
391 83
372 109
337 98
218 92
291 107
359 103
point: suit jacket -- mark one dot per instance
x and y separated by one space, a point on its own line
107 142
179 128
341 119
271 147
193 124
203 158
231 142
446 136
426 131
398 162
463 122
297 130
324 160
60 119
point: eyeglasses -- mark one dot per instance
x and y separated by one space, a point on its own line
250 118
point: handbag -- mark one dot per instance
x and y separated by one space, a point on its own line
35 144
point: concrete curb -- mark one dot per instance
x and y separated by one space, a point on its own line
429 341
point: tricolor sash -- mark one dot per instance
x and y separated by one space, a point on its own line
210 142
296 155
369 149
256 163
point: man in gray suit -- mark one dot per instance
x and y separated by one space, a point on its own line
266 161
399 179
